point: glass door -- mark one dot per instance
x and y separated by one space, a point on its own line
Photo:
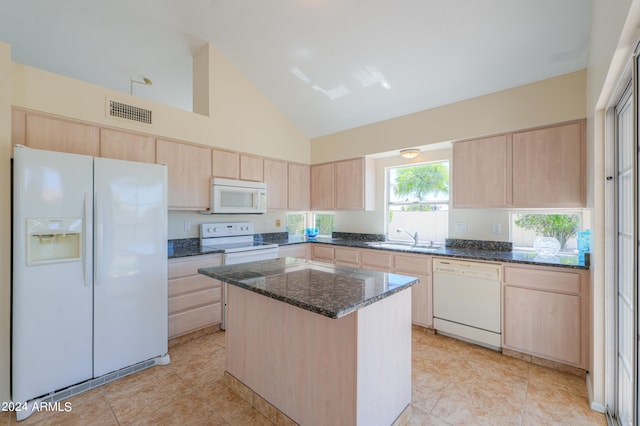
626 255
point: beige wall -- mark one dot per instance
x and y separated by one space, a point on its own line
240 118
5 217
548 101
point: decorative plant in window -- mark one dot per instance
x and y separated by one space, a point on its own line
562 227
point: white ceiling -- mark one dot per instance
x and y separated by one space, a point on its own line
329 65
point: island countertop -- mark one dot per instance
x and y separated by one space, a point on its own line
330 290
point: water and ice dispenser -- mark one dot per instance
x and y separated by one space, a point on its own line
52 240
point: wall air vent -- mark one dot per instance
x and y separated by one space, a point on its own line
129 112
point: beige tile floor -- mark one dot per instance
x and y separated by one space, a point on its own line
454 383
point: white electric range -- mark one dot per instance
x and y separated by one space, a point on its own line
239 245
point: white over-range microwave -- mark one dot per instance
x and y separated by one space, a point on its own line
229 196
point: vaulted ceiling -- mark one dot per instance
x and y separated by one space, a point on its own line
329 65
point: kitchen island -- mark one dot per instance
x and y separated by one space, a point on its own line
320 343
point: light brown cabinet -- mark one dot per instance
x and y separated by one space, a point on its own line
276 178
377 260
127 146
251 168
343 185
480 175
299 179
542 167
355 184
322 253
189 170
54 134
421 293
549 166
294 250
225 164
346 256
387 261
194 299
546 313
322 187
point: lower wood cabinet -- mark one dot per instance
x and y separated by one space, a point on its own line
377 260
322 253
194 299
546 313
422 292
294 250
415 265
347 256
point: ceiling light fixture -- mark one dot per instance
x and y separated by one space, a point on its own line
409 153
145 81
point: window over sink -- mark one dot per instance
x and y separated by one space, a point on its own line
418 202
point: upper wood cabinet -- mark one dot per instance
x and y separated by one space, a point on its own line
225 164
299 187
251 168
189 169
355 184
543 167
276 178
485 158
54 134
549 166
322 187
127 146
343 185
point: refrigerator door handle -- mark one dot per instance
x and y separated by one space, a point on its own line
87 270
99 229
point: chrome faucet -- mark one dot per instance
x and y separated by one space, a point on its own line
414 237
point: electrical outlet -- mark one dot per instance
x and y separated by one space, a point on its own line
461 227
187 226
496 228
277 223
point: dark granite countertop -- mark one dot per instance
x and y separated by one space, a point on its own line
490 251
188 247
330 290
507 256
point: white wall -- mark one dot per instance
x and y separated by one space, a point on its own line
264 223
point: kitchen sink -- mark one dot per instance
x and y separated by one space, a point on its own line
422 248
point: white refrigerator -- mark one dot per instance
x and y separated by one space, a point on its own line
89 289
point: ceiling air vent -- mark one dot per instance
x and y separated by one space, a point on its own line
129 112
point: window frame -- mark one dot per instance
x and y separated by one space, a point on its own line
392 236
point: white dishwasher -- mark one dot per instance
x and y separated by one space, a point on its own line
467 302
